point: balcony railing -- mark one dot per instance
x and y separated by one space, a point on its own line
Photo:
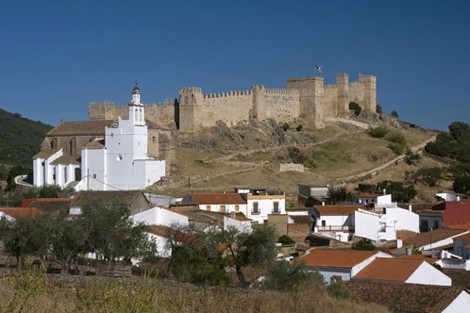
334 228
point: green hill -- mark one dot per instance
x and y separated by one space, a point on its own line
20 140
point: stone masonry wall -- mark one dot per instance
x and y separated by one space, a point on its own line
304 97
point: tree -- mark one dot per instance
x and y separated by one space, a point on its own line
462 184
399 191
284 276
110 232
428 176
355 107
394 114
411 158
255 248
363 244
12 173
378 109
340 194
285 240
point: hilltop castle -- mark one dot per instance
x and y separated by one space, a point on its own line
306 97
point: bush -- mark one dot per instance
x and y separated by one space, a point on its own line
299 127
363 244
378 132
394 114
284 276
396 137
285 127
411 158
355 107
285 240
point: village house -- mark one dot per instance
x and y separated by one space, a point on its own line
404 270
255 204
339 264
385 227
13 213
434 241
335 221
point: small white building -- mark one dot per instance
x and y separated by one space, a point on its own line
335 221
384 227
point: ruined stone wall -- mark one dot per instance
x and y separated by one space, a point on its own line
282 105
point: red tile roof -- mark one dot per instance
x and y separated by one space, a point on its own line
333 210
21 212
465 237
338 258
456 212
433 236
389 269
421 257
218 198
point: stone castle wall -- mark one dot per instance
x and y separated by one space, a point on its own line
305 97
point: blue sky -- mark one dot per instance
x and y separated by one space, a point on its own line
57 56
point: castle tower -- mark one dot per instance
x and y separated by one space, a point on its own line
370 92
190 102
311 90
342 96
136 108
259 102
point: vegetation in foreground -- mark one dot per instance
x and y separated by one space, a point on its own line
29 292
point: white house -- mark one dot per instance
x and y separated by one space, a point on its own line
119 161
384 227
161 221
335 221
255 204
408 271
262 203
339 264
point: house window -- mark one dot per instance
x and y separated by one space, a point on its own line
222 208
323 223
276 207
255 208
208 207
237 208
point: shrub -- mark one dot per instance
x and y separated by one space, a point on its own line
355 107
284 276
299 127
363 244
396 137
285 127
394 114
378 132
285 240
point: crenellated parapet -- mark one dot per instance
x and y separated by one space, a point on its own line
306 97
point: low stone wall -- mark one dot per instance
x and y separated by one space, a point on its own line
291 167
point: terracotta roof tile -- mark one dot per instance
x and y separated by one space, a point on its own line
458 226
338 209
45 153
460 278
433 236
401 297
421 257
389 269
218 198
96 127
339 258
21 212
111 196
465 237
66 159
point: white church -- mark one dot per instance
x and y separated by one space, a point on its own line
119 162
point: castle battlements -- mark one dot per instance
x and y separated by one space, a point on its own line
306 97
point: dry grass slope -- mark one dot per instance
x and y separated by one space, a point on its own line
36 293
334 155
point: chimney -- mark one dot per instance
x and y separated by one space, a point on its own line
384 191
410 207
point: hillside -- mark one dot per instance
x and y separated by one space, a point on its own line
20 140
250 154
